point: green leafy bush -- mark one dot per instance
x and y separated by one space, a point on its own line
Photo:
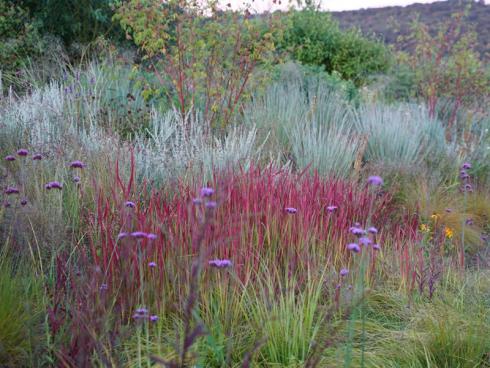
19 39
312 37
74 20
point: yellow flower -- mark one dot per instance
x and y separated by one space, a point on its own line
448 232
435 217
424 228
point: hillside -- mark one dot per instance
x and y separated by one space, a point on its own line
391 22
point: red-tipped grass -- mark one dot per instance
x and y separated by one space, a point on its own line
250 226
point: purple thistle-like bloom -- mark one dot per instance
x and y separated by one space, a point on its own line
354 247
141 311
37 157
23 152
331 208
357 231
373 230
344 272
122 235
211 204
103 287
469 221
139 234
76 179
365 241
468 188
220 263
466 166
291 210
130 204
207 192
376 246
152 264
153 318
197 201
77 164
151 236
23 202
375 180
463 175
10 158
12 190
54 185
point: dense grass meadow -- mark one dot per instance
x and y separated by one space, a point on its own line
246 211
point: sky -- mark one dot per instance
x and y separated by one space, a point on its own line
333 5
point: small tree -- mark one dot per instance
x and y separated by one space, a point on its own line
203 57
447 66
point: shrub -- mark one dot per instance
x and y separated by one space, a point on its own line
312 37
208 55
19 39
79 21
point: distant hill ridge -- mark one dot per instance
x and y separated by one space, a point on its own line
389 23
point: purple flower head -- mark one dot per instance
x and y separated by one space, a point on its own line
344 272
9 158
76 179
152 264
373 230
151 236
139 234
484 237
130 204
463 175
468 188
220 263
365 241
197 201
153 318
354 247
207 192
37 157
11 190
466 166
449 210
6 204
141 311
375 180
376 246
331 208
357 231
103 287
54 185
23 202
23 152
469 221
211 204
122 235
291 210
77 164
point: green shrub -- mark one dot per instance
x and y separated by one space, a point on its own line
312 37
19 39
74 20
